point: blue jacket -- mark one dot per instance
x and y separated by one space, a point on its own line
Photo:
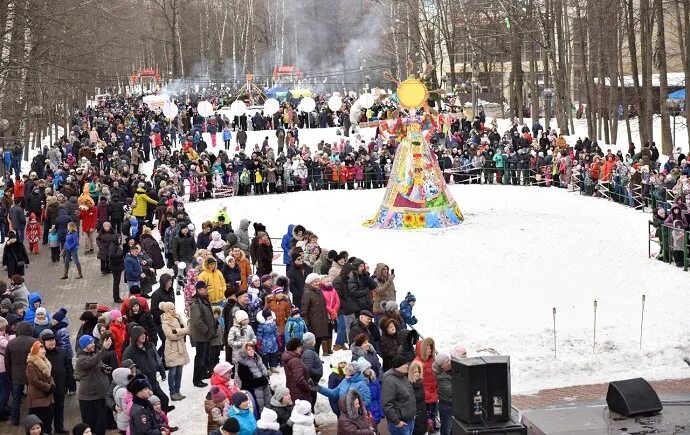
30 313
295 328
334 380
357 382
375 406
72 241
406 313
61 331
285 244
132 268
267 334
245 418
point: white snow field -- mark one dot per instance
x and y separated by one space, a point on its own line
491 283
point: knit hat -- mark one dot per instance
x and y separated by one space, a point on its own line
36 347
217 395
341 256
266 314
332 254
241 315
399 361
127 363
115 314
441 359
363 364
200 285
166 306
222 368
47 334
268 416
85 341
303 407
389 306
309 339
240 292
154 399
134 301
292 344
60 315
138 383
353 368
410 297
6 303
231 425
41 310
267 277
339 356
239 398
80 428
294 311
312 277
280 392
295 255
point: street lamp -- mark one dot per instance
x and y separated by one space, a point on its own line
548 95
675 107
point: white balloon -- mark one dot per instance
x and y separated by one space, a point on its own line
238 108
170 110
205 109
366 100
307 104
271 106
335 103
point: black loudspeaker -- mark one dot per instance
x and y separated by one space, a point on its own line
469 377
481 389
504 428
632 397
498 384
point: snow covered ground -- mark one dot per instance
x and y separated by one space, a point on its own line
491 283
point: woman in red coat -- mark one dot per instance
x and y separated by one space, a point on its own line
426 354
296 372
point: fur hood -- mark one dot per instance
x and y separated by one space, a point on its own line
347 403
424 350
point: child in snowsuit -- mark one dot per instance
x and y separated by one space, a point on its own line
406 309
678 234
267 339
295 326
160 418
33 233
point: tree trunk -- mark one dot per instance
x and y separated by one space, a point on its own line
666 137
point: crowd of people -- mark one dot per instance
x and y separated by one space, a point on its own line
249 325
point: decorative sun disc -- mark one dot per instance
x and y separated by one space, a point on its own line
412 93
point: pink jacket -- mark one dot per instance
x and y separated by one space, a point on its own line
332 300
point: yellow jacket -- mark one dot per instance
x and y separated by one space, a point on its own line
141 200
215 282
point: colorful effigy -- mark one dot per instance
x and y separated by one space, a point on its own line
417 195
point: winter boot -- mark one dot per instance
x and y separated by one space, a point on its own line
79 270
329 346
324 348
64 276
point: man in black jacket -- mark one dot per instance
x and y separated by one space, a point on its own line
364 325
359 286
61 370
143 354
15 364
164 293
202 329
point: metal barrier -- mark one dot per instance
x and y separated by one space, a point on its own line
668 240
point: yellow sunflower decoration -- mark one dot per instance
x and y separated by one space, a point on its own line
421 220
409 220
